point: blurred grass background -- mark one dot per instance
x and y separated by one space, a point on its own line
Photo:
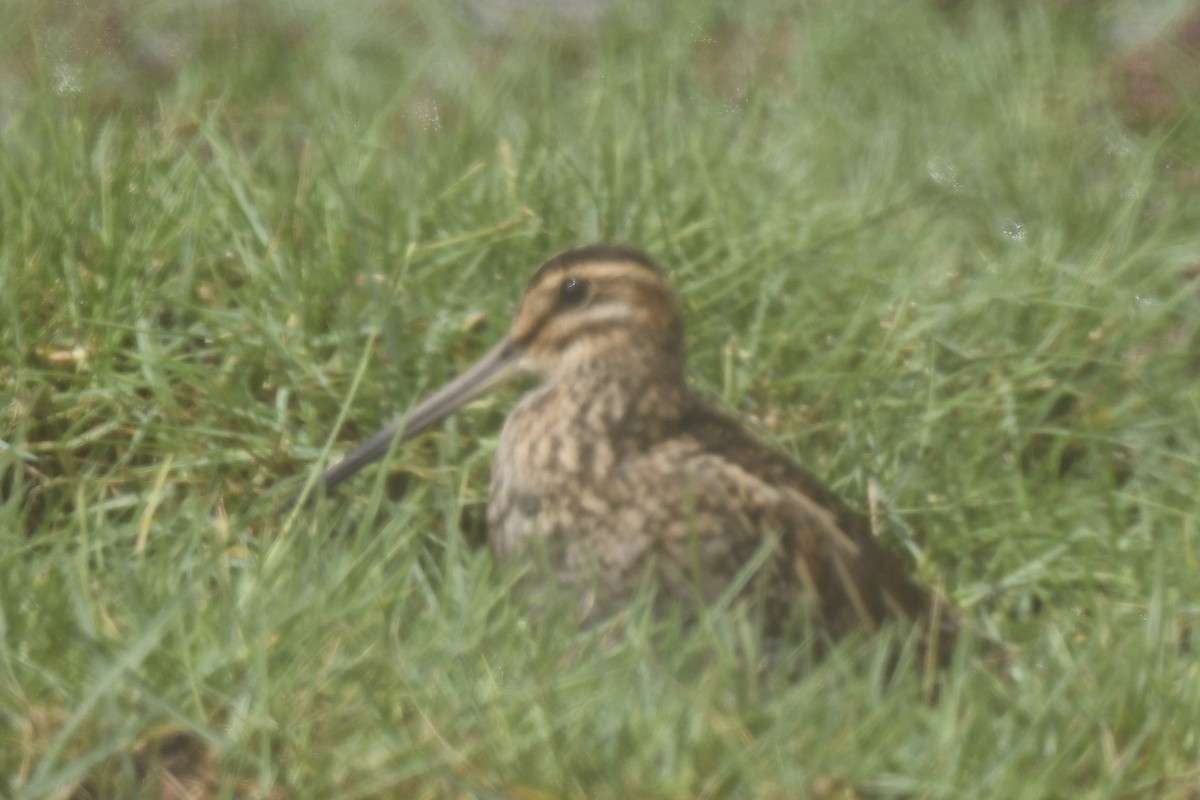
948 246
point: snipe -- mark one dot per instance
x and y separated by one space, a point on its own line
621 472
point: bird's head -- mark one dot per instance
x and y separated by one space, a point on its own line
598 306
593 311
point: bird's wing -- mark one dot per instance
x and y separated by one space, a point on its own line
856 581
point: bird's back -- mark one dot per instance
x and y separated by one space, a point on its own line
829 548
692 499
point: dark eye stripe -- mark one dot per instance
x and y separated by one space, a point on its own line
572 291
591 327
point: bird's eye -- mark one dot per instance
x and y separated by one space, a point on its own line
573 291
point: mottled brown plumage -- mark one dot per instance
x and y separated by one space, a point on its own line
620 472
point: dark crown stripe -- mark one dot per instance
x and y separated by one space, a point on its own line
601 251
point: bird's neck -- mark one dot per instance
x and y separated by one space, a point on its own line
621 395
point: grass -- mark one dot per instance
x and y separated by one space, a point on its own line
917 244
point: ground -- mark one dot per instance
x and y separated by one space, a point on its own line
921 246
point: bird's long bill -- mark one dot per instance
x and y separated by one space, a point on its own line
485 374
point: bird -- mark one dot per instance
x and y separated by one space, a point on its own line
615 470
